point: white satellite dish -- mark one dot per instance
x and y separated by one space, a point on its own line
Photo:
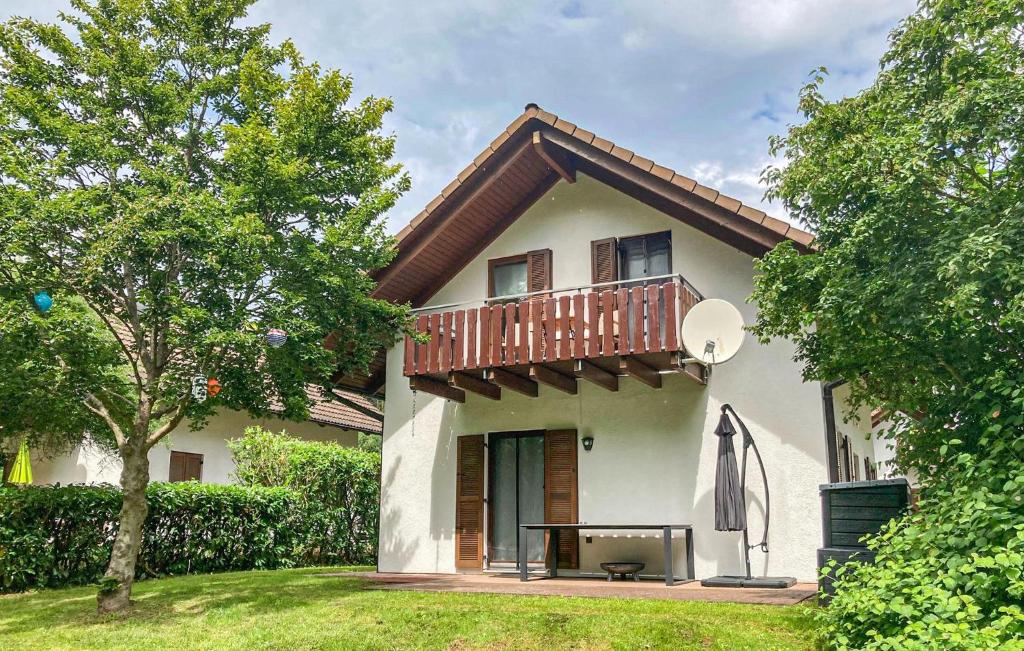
713 331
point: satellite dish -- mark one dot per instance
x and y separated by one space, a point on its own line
713 331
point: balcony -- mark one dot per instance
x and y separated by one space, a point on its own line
594 332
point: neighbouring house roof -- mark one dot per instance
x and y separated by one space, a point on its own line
348 410
526 160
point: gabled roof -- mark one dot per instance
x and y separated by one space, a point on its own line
533 153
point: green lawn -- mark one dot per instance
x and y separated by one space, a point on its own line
295 609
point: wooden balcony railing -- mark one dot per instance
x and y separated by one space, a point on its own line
582 323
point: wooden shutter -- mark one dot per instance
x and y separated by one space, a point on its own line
560 492
469 502
604 260
538 270
185 466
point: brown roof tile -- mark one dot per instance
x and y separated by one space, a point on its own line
730 204
622 152
565 126
662 173
497 142
483 156
776 225
466 173
802 237
643 163
684 182
602 144
450 188
753 214
544 116
583 135
707 193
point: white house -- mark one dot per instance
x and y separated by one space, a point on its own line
550 280
203 455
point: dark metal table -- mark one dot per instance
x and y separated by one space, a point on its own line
666 530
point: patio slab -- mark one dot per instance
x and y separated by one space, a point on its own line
580 587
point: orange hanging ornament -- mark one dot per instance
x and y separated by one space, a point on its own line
213 387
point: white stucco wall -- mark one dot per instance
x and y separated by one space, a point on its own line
654 452
89 464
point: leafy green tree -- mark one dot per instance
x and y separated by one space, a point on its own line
179 185
915 294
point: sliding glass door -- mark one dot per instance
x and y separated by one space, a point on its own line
516 494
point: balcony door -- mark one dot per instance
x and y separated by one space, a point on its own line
642 257
531 478
516 494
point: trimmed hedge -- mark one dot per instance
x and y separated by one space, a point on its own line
54 536
339 486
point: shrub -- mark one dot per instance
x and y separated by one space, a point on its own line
62 535
339 487
951 575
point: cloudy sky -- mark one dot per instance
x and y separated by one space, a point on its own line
696 85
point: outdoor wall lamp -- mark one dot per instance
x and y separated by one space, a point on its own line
588 443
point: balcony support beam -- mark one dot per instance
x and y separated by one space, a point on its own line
693 370
468 382
511 381
596 374
636 369
440 389
552 378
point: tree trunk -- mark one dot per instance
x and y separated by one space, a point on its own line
116 587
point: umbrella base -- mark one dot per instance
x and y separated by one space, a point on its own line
744 582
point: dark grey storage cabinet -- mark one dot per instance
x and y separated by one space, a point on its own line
850 510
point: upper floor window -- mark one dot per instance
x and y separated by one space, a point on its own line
631 258
645 256
517 275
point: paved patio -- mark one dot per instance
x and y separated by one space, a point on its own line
581 587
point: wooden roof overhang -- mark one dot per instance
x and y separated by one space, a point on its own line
535 152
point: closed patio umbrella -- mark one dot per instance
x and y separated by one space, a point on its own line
21 472
730 506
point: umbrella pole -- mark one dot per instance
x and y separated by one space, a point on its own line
749 581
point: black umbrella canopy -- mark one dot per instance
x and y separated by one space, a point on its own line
730 506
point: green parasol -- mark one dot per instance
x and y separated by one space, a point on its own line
21 472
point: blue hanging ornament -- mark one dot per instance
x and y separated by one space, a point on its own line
43 301
276 337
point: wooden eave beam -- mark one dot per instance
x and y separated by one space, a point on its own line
640 371
555 157
440 389
427 233
511 381
552 378
597 375
468 382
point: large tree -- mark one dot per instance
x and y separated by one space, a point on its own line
915 190
179 185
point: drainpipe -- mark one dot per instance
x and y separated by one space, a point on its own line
831 443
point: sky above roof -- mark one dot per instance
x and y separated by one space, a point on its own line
696 85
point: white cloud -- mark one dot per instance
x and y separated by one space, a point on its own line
695 85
